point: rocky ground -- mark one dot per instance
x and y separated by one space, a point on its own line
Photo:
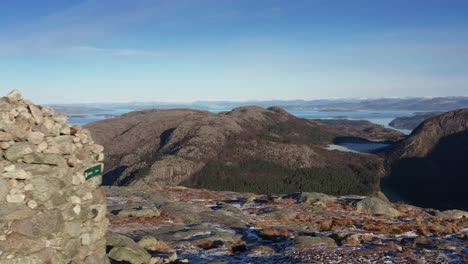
181 225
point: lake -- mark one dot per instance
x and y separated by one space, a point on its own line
356 147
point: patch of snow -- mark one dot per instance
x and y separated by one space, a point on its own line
356 147
200 234
339 148
408 234
199 200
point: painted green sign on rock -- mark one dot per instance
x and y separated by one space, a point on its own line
93 172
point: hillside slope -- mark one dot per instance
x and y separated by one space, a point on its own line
430 167
412 122
246 149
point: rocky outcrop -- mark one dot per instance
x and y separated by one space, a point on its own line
375 206
429 167
51 209
428 135
158 148
201 226
125 249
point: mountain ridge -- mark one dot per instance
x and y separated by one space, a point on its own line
168 147
427 167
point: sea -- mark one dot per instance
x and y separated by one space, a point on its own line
381 117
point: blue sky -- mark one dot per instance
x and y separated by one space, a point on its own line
181 50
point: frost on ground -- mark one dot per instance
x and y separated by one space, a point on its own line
203 226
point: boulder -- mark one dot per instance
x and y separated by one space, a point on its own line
125 249
375 206
143 211
148 242
276 213
453 214
310 197
130 255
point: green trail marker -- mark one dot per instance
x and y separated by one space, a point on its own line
93 172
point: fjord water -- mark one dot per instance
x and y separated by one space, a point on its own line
381 117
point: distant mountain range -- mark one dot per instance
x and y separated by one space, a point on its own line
416 104
420 103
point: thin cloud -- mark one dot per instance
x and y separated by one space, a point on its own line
82 23
117 52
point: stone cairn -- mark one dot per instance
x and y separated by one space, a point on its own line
51 209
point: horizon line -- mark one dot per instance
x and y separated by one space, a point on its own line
257 100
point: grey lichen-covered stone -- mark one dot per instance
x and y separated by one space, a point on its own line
17 175
19 129
173 257
44 188
145 211
453 214
275 213
59 145
21 245
148 242
5 137
375 206
118 240
49 213
10 212
19 150
36 113
125 249
35 137
15 198
47 223
310 197
48 159
14 96
130 255
3 190
73 228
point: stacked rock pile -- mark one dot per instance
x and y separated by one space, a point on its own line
51 209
